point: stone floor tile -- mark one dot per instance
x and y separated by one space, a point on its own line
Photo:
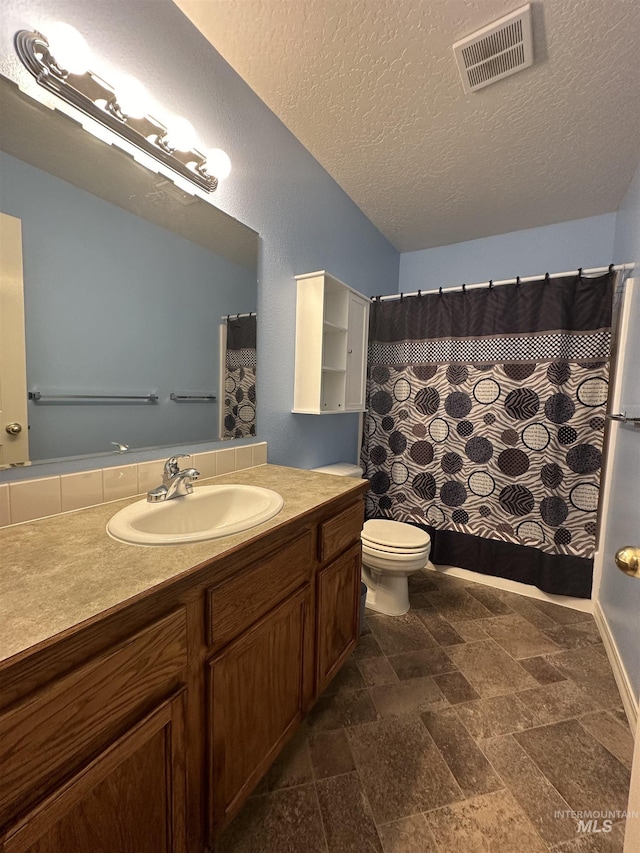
575 636
490 822
396 634
401 768
346 816
282 821
489 669
293 766
525 607
330 753
560 701
499 715
543 671
420 663
455 687
442 631
407 835
377 671
561 615
488 598
457 604
348 678
419 601
519 637
464 758
595 842
612 733
470 629
367 647
535 795
407 697
341 710
423 582
583 772
589 669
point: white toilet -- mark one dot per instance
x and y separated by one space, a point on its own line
391 551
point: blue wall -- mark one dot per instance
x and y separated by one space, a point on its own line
115 305
305 221
551 248
620 595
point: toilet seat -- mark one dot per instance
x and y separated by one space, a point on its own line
394 535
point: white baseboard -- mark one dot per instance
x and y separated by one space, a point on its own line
585 605
619 672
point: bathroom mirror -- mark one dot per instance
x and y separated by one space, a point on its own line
126 281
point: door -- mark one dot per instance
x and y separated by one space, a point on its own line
130 799
338 611
14 441
617 594
357 337
255 701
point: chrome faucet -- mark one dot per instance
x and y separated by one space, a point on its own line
175 483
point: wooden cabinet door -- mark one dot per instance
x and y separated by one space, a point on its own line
129 799
337 614
255 699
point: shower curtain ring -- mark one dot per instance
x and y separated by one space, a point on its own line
490 284
517 281
546 278
580 273
464 288
419 294
611 268
439 291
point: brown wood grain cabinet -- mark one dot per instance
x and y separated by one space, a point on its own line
146 730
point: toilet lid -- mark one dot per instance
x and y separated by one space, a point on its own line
370 547
395 534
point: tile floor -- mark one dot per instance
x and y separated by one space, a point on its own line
466 725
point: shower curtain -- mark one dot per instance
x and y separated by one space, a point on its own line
485 420
240 378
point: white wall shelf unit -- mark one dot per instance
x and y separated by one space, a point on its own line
332 331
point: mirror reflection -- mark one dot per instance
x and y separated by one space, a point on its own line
128 284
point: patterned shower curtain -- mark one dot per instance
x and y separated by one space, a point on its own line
240 378
485 420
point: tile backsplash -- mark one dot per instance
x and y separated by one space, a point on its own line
26 500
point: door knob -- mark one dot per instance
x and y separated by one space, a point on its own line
14 428
628 560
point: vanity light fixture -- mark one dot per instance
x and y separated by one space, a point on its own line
92 95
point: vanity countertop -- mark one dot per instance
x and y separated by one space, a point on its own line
58 572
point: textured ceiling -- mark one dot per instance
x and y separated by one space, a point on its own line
371 88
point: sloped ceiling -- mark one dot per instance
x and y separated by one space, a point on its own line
371 89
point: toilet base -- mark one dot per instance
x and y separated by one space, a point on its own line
386 593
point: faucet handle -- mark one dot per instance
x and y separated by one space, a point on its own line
171 466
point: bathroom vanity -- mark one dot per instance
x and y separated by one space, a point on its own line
145 691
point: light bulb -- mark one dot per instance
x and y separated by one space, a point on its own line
218 163
133 98
69 48
181 134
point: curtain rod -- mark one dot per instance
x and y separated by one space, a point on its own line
226 317
592 271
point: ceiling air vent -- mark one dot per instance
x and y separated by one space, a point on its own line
496 51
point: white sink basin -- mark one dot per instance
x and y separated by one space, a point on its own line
208 513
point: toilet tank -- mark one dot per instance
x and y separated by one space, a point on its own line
341 469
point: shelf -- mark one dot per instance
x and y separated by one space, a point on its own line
331 346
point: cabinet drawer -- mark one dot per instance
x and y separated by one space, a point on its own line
237 603
339 532
58 728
